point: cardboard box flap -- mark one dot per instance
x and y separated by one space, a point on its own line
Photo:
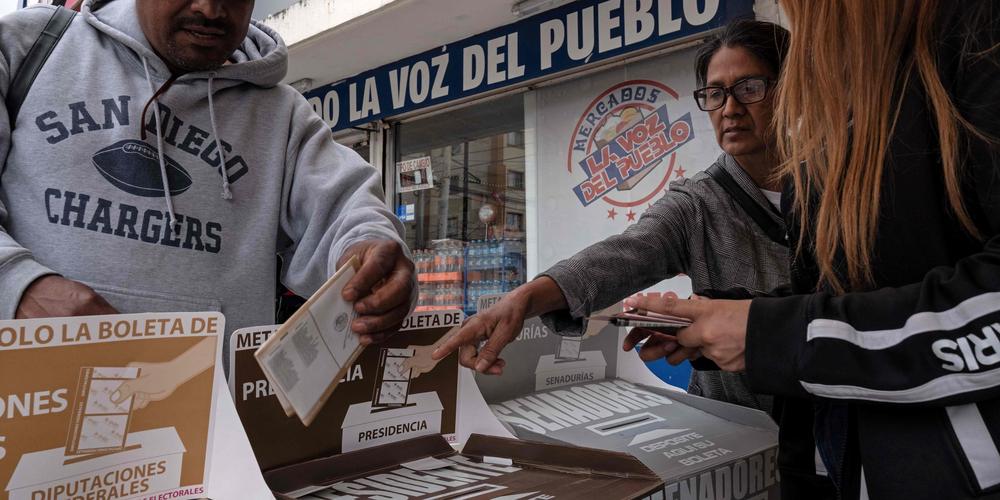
562 458
331 469
656 426
693 445
733 413
428 468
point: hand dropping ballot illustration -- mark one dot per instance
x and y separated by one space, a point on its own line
108 406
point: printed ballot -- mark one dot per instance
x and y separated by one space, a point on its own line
307 356
108 407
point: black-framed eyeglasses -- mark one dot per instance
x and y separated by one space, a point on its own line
745 91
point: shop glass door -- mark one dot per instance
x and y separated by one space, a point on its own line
461 195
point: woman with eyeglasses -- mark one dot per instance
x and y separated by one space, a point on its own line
721 227
893 150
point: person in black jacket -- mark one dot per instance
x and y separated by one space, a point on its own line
889 118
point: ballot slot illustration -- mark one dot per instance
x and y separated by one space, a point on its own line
569 349
569 364
392 385
107 397
100 422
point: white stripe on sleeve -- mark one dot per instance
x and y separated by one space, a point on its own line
924 322
977 443
941 387
863 490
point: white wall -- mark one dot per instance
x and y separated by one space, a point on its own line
312 17
264 8
564 225
770 10
8 6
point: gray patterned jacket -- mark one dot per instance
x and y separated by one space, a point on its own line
694 229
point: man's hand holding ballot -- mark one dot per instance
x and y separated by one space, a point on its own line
381 291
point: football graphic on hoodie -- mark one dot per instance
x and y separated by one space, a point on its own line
134 167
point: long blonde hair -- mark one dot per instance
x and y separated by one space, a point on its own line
838 102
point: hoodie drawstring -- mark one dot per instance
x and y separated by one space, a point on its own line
159 140
226 193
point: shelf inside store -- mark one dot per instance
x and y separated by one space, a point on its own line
455 274
504 265
439 277
437 308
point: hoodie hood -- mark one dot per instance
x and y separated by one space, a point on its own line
262 58
91 198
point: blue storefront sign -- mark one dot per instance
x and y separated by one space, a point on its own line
569 37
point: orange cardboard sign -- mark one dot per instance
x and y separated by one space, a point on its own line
108 406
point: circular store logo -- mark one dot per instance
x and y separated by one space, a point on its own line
624 147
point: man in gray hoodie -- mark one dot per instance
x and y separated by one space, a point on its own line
157 165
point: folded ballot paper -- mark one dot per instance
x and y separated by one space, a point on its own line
645 319
307 356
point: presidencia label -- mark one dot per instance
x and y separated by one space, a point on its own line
572 36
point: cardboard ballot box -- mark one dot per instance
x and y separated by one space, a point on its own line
488 467
151 462
597 396
695 445
365 426
392 392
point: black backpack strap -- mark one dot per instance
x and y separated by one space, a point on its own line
35 59
772 229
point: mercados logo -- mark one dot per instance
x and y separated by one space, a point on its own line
624 147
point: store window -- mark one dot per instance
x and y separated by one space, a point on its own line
461 195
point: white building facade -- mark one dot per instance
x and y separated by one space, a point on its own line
492 120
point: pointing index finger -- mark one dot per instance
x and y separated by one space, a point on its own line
467 335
